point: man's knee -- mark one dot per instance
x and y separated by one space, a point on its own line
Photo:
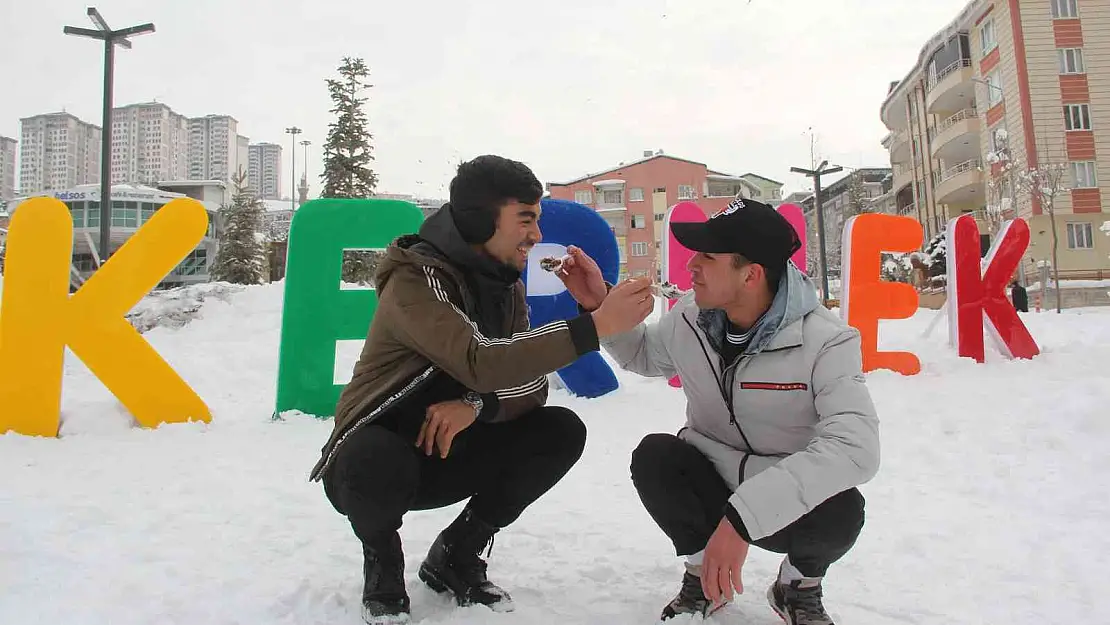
654 455
838 521
374 467
564 430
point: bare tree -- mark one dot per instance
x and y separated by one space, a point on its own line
1043 184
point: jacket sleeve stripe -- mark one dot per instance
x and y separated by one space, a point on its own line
441 295
522 390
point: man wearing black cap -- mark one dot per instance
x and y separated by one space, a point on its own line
780 427
447 401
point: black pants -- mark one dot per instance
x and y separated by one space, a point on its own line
683 492
379 475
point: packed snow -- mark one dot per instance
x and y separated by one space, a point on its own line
990 506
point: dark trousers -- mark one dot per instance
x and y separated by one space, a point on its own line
379 474
685 495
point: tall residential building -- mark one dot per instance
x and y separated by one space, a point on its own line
150 144
634 197
7 168
1018 85
264 176
57 151
213 148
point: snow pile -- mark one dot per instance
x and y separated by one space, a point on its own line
989 506
174 308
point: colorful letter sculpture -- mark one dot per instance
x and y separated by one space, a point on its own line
564 223
977 290
676 256
793 214
316 312
864 297
39 318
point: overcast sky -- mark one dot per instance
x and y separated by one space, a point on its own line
567 86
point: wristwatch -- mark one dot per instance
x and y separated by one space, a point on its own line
475 401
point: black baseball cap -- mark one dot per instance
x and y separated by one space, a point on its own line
752 229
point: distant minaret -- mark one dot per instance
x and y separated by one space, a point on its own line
302 189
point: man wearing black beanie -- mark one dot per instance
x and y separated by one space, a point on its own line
447 401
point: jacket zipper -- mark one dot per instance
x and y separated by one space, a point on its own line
721 386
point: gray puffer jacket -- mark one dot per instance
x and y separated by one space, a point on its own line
790 423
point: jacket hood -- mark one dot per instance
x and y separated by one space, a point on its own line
439 243
796 298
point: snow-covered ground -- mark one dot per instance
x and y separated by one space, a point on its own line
990 506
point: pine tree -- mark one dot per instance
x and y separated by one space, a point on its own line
347 156
241 258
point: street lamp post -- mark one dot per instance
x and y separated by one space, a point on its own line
293 130
816 175
111 39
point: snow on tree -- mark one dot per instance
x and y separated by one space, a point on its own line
1043 184
347 156
241 257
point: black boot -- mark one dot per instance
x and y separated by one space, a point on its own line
384 600
454 564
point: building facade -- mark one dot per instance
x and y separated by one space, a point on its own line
634 198
7 168
150 143
132 206
264 173
57 151
1010 86
214 148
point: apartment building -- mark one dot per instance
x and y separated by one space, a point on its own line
264 173
150 143
1010 86
634 197
57 151
214 148
7 168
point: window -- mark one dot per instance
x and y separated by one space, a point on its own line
611 197
636 195
1071 60
638 221
1080 236
686 192
994 88
148 211
986 37
1077 116
1064 9
584 197
639 249
1083 175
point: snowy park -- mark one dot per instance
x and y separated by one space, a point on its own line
989 506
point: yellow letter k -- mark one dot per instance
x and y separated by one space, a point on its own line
39 318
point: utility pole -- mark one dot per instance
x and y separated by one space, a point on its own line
816 174
111 39
293 155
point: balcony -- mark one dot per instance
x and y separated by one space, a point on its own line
902 177
956 138
898 144
952 89
961 184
